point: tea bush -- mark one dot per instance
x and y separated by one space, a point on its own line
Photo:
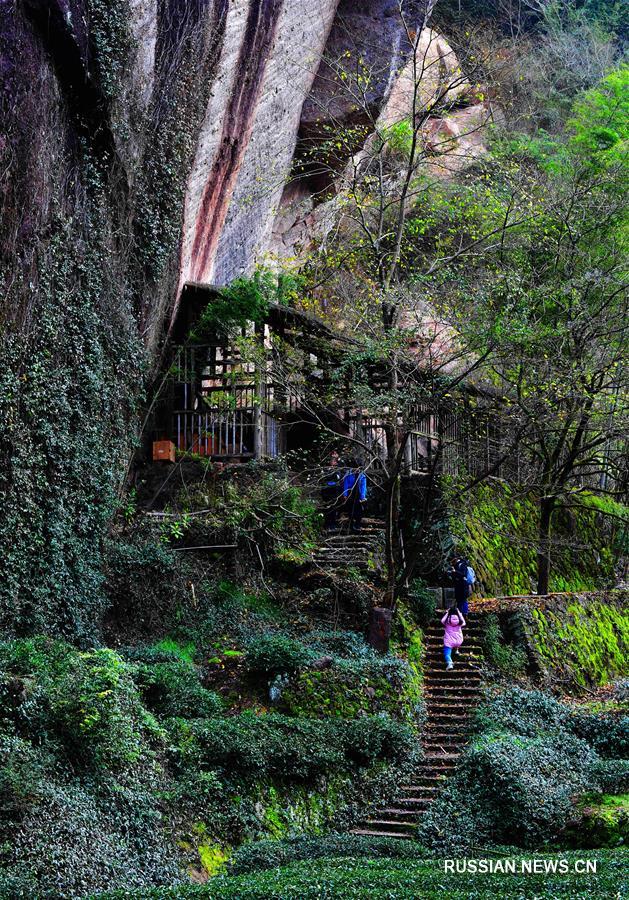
269 854
356 878
173 689
517 781
277 654
253 747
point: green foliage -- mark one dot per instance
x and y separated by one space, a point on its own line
517 781
174 689
585 641
276 654
68 388
255 747
244 300
87 700
79 783
270 854
506 658
604 822
108 24
348 877
599 124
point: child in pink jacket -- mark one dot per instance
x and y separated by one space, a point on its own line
453 623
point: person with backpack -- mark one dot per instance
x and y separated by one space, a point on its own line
355 494
464 579
453 623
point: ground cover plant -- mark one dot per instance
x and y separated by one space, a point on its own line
356 878
519 780
106 756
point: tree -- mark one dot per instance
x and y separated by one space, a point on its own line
557 297
380 160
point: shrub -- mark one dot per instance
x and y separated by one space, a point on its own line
276 654
343 644
252 748
269 854
71 844
510 790
98 711
371 738
503 656
87 701
423 602
22 771
173 689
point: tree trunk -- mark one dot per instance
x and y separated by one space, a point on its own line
547 506
391 539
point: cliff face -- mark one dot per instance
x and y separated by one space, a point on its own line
143 143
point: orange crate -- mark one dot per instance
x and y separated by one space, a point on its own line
163 451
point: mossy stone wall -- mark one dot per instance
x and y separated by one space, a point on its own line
580 639
496 527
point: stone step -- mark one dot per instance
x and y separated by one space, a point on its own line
444 747
449 740
414 790
397 813
458 728
392 823
372 832
447 703
454 687
439 773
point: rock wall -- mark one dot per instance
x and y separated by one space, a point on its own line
270 57
143 143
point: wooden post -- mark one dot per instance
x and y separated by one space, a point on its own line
380 629
258 430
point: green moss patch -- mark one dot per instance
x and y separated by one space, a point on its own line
497 528
582 640
604 822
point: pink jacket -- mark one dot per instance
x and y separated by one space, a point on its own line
453 635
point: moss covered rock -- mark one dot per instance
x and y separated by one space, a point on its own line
603 821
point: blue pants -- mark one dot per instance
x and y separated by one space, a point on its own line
447 652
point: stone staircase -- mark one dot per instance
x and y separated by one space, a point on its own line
451 698
345 551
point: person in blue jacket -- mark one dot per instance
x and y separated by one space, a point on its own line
355 495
